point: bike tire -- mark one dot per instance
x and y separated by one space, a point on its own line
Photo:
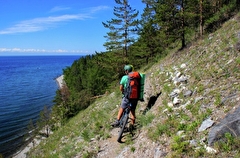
122 129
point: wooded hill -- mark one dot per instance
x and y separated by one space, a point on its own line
182 90
164 25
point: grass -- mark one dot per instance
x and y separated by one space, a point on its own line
210 71
78 132
214 70
179 145
147 119
132 149
228 144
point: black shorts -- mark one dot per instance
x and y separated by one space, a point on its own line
126 102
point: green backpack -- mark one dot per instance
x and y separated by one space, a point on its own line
142 81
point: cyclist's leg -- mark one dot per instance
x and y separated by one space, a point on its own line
124 104
133 109
120 112
132 116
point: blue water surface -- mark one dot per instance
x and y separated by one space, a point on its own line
27 84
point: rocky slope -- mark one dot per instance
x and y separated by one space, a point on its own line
206 73
182 92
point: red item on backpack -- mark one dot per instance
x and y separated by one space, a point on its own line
133 86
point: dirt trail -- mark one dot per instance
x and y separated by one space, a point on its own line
110 148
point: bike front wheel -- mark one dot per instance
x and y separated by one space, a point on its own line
125 120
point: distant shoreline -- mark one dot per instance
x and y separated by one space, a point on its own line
60 81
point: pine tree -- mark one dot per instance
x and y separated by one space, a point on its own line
167 18
44 121
149 43
189 18
238 4
201 18
122 28
181 21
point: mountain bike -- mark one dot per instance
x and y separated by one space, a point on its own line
123 123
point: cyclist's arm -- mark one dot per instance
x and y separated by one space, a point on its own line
123 83
121 88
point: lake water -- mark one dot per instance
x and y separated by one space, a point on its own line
27 84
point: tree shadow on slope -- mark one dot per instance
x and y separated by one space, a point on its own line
151 103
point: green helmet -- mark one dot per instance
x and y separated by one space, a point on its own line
129 68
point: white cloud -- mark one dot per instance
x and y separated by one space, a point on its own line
44 23
59 8
39 24
98 8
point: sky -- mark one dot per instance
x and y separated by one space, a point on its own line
55 27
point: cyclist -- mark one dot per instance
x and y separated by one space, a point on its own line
125 102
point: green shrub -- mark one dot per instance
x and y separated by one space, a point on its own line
160 129
86 136
133 149
146 119
179 145
217 99
229 143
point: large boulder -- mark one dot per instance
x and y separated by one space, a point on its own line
229 124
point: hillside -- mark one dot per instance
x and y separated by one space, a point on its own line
181 91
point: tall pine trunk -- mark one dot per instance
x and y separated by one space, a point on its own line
238 4
201 18
183 27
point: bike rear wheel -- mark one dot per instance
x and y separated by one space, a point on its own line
125 120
